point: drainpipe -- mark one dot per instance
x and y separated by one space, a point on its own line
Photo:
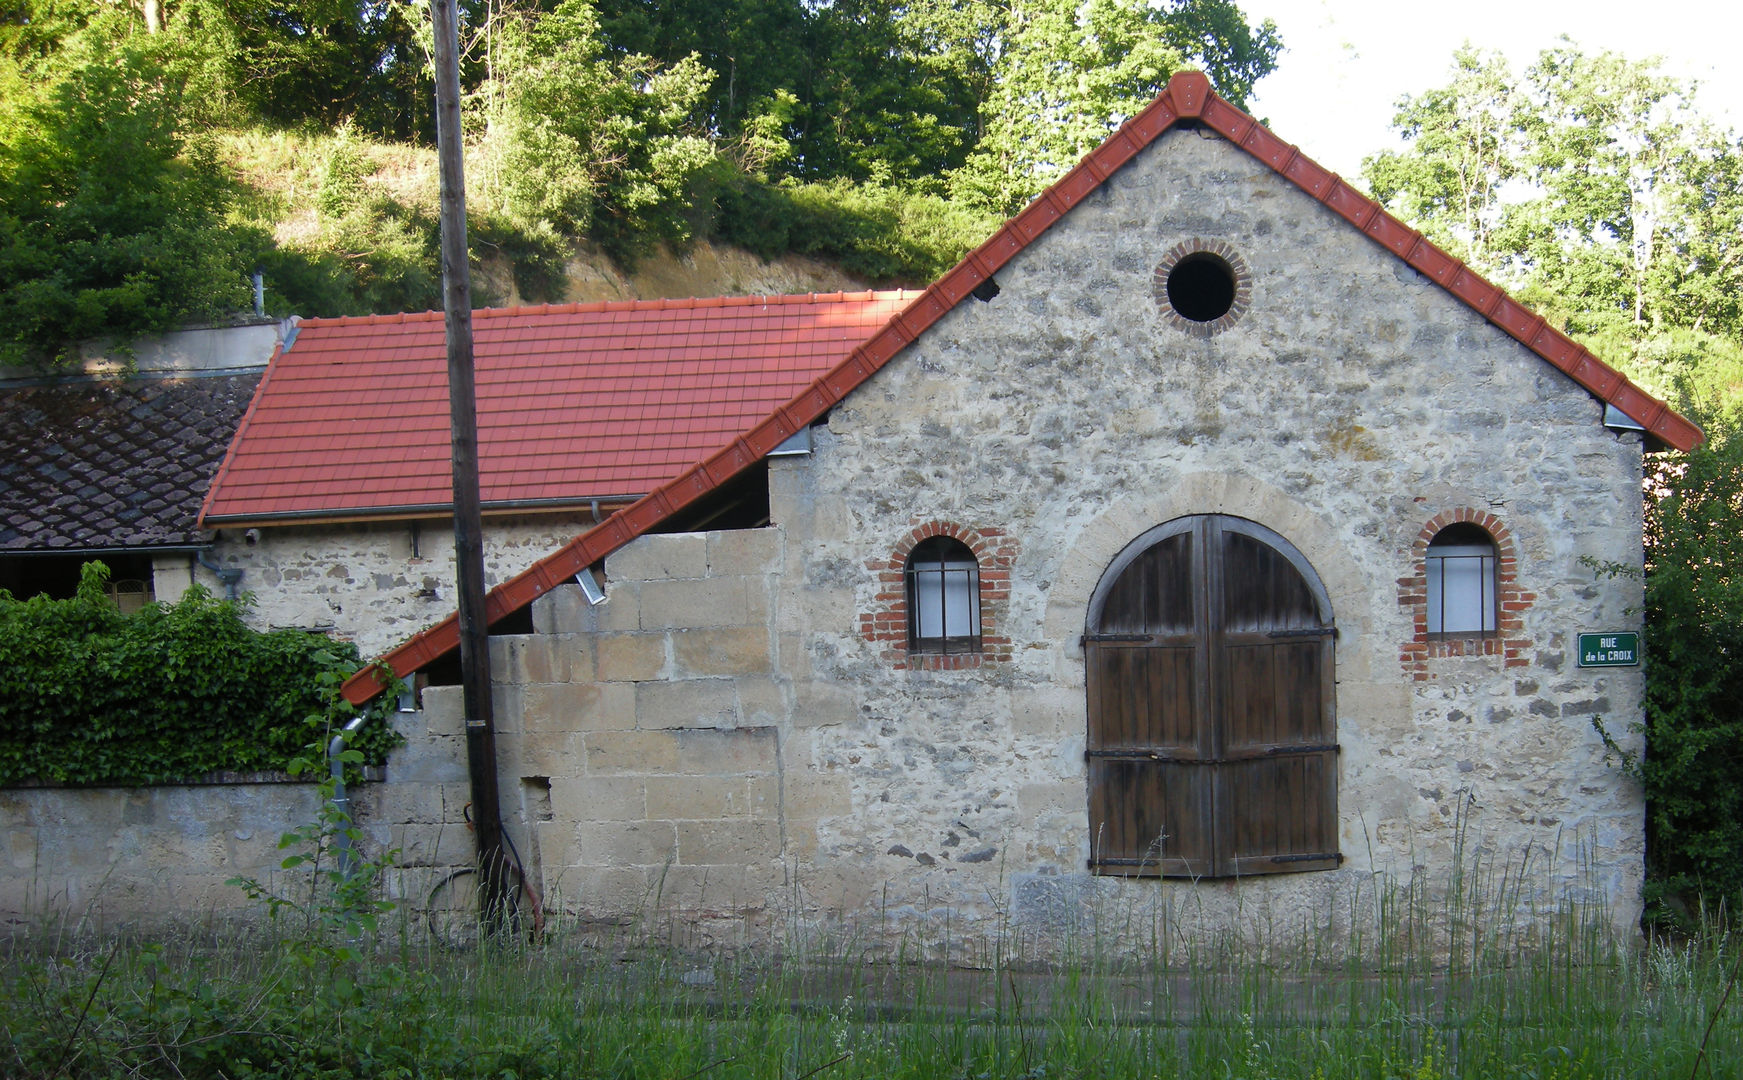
228 576
341 801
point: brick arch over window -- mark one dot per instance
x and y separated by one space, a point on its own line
1511 601
886 624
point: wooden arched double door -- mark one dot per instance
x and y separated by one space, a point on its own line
1212 743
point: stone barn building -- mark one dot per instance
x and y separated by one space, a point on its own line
1207 551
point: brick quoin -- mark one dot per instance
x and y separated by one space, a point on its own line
1512 602
887 623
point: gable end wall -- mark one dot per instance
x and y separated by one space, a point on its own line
728 721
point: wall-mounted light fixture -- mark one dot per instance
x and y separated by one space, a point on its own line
590 586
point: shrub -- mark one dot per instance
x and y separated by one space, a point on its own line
89 695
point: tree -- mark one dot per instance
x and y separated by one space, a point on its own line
1593 187
1064 74
601 145
111 222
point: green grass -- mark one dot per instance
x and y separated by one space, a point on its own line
1570 1000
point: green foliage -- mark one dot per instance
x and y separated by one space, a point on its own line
598 144
1693 768
1557 1010
875 231
1064 74
111 221
1592 184
91 696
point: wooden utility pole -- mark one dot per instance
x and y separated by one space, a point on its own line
468 518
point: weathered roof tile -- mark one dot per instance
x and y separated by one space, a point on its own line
111 463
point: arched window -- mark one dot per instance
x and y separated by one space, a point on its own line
1461 582
943 582
1212 740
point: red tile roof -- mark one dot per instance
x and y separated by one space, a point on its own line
1187 98
575 402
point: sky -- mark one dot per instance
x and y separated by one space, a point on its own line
1347 62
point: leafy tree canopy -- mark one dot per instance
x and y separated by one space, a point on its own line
111 220
1593 187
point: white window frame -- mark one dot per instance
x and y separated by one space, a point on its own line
943 584
1462 583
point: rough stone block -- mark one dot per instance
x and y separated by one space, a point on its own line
707 888
563 610
437 759
680 604
762 702
687 704
679 797
793 658
586 799
505 706
553 707
732 843
721 651
744 552
397 802
832 610
630 657
808 794
736 752
660 557
527 658
444 710
608 892
820 704
548 753
619 753
626 843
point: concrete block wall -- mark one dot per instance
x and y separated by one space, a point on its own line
647 737
113 857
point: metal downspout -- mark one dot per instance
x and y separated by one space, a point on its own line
228 576
345 848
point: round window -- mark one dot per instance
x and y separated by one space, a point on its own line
1202 287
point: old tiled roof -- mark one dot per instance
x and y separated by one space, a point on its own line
92 463
575 402
1188 99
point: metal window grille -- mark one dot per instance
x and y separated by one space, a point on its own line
1461 588
943 582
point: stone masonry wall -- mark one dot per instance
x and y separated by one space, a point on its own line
107 857
722 734
365 582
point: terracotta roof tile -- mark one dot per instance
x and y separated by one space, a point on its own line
1188 97
575 401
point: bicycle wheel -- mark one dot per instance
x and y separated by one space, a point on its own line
453 909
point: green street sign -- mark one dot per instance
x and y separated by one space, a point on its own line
1609 650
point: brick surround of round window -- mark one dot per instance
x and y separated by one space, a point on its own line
1202 287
